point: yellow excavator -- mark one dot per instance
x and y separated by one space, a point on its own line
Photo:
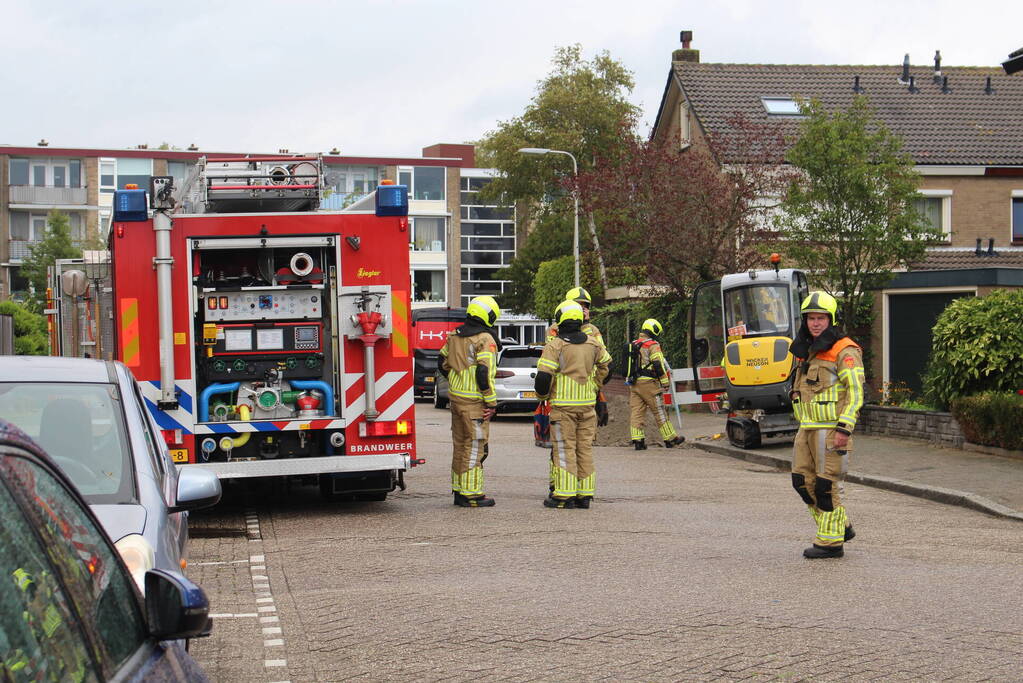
740 329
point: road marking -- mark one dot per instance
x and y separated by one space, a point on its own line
233 616
263 593
215 564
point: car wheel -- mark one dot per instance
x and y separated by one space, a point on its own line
439 401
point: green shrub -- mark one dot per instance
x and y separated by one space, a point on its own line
991 418
978 346
30 337
614 323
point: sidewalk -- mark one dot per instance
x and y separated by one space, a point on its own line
989 483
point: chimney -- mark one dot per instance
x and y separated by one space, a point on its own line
988 90
912 85
937 65
686 54
193 147
904 78
944 85
977 251
991 247
43 143
856 85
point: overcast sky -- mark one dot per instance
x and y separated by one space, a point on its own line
389 77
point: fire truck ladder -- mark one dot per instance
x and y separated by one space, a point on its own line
254 185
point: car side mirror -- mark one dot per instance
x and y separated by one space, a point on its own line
701 349
175 607
197 489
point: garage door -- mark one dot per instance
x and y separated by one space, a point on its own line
911 318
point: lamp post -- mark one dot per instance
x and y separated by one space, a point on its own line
575 196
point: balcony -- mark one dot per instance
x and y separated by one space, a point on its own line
45 195
20 249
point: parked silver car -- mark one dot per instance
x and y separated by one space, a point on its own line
89 415
514 382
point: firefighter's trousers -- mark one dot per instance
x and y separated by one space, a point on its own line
573 429
643 395
818 471
469 436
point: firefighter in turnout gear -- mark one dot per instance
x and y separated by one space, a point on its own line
648 378
827 395
580 296
469 361
569 374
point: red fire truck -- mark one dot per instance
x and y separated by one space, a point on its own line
430 327
271 339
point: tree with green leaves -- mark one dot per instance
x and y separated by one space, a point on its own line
29 329
578 108
848 215
56 244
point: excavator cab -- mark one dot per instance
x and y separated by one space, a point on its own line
740 330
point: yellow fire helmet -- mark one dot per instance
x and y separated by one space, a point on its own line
820 302
485 308
578 295
569 310
652 327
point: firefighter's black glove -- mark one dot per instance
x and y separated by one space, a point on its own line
601 408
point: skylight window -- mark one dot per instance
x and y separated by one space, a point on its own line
780 106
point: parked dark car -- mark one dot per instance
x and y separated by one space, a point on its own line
71 610
91 418
514 381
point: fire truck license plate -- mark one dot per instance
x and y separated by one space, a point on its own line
179 454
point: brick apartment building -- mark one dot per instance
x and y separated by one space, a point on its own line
961 126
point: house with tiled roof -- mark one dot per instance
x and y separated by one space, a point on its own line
963 128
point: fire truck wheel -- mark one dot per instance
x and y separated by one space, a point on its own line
438 401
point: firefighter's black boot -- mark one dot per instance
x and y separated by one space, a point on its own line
560 503
820 552
481 502
640 444
849 533
583 502
677 441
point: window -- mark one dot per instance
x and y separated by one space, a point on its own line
19 171
1017 216
351 180
780 106
137 171
685 136
31 227
487 241
59 176
82 427
75 172
107 175
935 206
179 170
100 588
39 175
32 594
424 182
428 285
428 233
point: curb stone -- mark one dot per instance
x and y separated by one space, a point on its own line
935 493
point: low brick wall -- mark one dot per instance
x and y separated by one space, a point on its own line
925 425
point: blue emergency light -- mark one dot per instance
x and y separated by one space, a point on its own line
130 206
392 200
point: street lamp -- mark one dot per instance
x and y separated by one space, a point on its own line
575 196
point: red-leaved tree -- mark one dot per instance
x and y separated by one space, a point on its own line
692 215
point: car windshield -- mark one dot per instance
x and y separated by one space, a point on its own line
519 358
82 427
756 311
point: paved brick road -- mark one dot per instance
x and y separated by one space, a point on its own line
688 567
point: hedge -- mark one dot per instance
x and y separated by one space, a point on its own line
620 322
992 418
977 347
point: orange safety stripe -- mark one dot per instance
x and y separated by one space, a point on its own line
130 346
832 353
399 324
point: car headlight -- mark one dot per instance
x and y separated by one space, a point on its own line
139 556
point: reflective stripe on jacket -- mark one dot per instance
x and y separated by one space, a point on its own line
578 370
830 389
461 356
